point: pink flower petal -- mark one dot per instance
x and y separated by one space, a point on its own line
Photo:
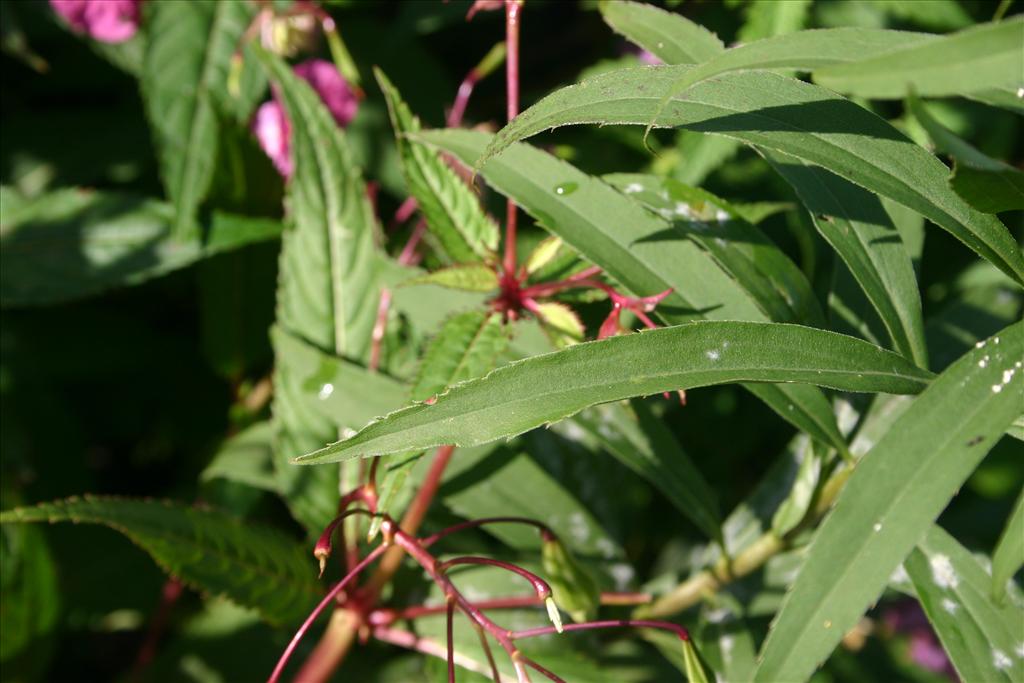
332 88
270 126
109 21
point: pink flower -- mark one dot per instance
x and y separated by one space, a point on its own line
108 21
271 126
925 649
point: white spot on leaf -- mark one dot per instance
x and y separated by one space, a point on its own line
949 605
1000 660
943 573
712 354
325 391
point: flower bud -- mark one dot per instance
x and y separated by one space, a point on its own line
108 21
574 589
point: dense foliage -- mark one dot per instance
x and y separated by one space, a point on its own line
720 380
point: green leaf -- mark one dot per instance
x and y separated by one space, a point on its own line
253 565
981 639
573 588
451 208
670 37
855 223
1008 557
247 457
560 323
893 495
28 583
642 442
697 671
467 346
71 244
638 249
985 183
188 55
774 282
327 291
975 59
544 389
802 51
543 254
471 277
788 116
796 505
764 19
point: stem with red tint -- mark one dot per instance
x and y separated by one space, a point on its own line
328 599
474 523
512 18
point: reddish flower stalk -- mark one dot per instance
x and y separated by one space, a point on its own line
512 20
328 599
545 531
387 616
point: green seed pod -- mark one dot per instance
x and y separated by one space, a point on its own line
575 590
697 671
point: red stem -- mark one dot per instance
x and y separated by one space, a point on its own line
462 98
540 586
328 599
512 20
451 640
612 623
425 646
168 597
471 524
386 616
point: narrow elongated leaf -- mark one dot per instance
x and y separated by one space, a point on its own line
1008 557
210 551
31 598
71 244
981 639
327 291
640 250
785 115
467 346
451 208
855 223
644 444
987 184
975 59
188 55
779 288
802 51
543 389
895 493
670 37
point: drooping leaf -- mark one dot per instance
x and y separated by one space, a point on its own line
543 389
253 565
467 346
188 55
1008 557
778 287
643 443
450 206
327 291
670 37
985 183
247 457
71 244
471 277
892 497
975 59
638 249
785 115
981 639
31 597
855 223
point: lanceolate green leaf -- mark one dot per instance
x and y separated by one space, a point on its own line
643 443
975 59
981 639
894 494
547 388
210 551
467 346
188 55
1008 557
785 115
451 208
640 250
469 277
71 244
803 51
779 288
30 589
855 223
327 291
670 37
